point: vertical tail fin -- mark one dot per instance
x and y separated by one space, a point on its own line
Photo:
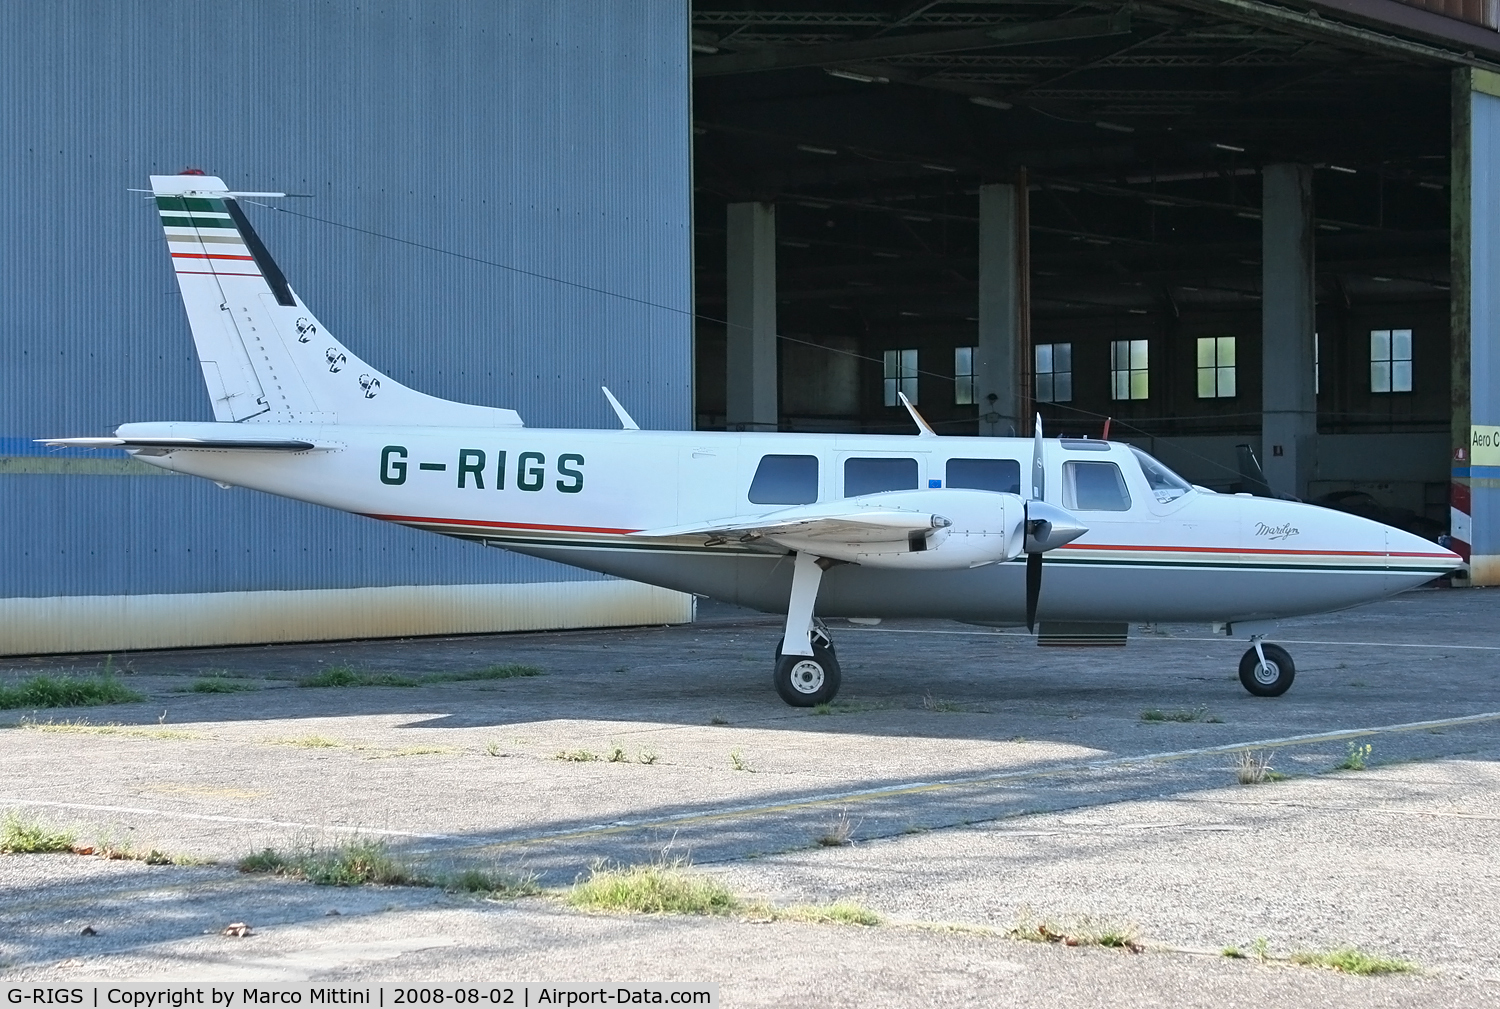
265 357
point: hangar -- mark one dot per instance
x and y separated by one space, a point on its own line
1202 223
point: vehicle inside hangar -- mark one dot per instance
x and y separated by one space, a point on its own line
1000 207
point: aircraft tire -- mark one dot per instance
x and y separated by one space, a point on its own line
1273 680
805 681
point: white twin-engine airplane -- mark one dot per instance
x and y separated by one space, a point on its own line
815 525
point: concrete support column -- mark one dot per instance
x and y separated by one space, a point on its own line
1289 403
750 350
1474 496
996 361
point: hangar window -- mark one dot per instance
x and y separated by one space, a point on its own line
1129 370
1094 486
900 375
871 476
1216 367
785 479
1003 475
1054 373
963 375
1390 360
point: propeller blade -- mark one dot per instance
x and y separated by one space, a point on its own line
1038 472
1033 588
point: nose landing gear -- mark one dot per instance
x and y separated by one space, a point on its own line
1266 670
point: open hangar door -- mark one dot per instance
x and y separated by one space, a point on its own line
1217 223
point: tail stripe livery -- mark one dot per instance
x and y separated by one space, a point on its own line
265 357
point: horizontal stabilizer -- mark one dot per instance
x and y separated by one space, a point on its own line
175 444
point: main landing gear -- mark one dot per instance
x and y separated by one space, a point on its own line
807 670
1266 670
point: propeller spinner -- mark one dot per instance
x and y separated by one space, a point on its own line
1046 527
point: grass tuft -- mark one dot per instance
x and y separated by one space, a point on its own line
840 912
20 836
44 691
218 683
310 742
647 756
576 756
1084 930
664 887
491 884
1349 960
1253 768
1356 758
82 727
839 834
931 703
739 761
1200 714
352 864
508 671
351 676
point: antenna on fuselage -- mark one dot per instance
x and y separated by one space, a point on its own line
924 429
626 421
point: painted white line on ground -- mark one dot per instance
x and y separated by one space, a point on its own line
143 811
1163 637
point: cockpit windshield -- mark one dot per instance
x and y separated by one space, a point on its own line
1166 485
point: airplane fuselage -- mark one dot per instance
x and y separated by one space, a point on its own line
582 497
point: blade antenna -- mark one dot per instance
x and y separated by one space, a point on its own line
924 430
1038 471
626 421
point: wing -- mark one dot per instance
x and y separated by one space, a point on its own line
842 523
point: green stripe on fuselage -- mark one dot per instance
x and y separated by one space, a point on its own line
197 222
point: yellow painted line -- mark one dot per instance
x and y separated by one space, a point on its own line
8 800
926 787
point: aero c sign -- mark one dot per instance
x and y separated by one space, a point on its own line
1484 446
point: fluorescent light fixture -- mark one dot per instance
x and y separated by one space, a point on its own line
911 315
698 131
1329 227
1059 185
812 205
1341 168
810 149
990 103
1230 147
916 217
1187 288
1383 280
1137 311
850 75
1432 185
971 318
1247 215
795 245
1115 126
1161 203
704 47
938 168
886 255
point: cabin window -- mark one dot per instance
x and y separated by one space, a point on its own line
1094 486
1390 360
785 479
1002 475
871 476
1054 373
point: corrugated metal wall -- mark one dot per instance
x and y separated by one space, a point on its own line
548 137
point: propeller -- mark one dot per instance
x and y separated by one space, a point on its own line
1046 527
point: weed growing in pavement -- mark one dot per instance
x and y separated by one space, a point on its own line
1199 714
509 671
738 761
1084 930
1349 960
46 691
840 912
1253 768
83 727
617 756
218 682
24 836
493 749
311 742
839 834
351 676
717 719
1231 953
576 756
646 756
1260 948
1356 757
822 708
490 883
931 703
363 862
661 887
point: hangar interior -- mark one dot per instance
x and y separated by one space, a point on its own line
1216 223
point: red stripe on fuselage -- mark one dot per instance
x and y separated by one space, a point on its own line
208 255
1247 550
478 523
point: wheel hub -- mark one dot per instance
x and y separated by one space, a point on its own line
807 677
1267 673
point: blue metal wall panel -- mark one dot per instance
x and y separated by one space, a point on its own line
551 138
1484 318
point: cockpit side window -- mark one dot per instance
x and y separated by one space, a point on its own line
1003 475
1166 485
871 476
1094 486
785 479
